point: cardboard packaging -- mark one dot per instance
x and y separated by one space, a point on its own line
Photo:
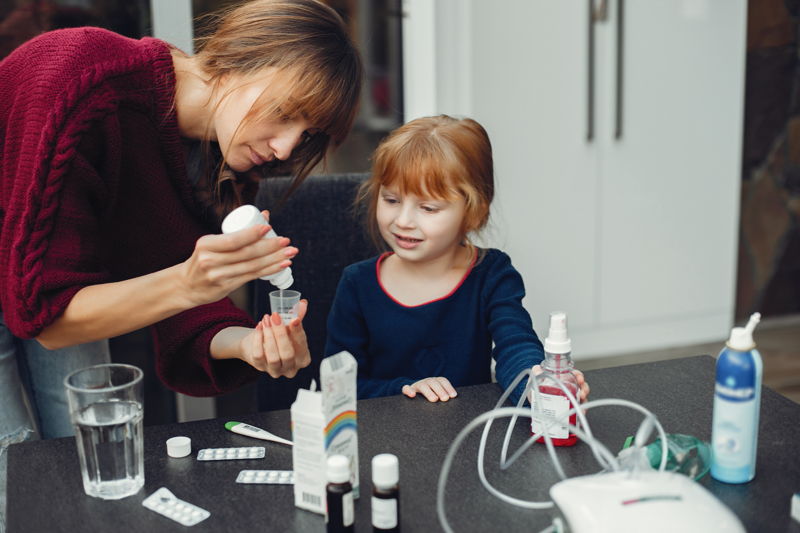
324 423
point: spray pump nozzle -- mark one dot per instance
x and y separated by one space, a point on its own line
557 340
742 338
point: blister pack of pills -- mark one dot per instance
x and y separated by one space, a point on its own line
165 503
266 477
223 454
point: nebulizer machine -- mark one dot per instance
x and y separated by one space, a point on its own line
627 494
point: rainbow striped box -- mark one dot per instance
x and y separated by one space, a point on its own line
324 423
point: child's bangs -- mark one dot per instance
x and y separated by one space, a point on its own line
423 175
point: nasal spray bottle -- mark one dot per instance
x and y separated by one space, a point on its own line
737 400
557 367
247 216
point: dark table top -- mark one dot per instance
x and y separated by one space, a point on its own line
45 492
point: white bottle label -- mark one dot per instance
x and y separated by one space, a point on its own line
732 434
347 509
384 513
552 406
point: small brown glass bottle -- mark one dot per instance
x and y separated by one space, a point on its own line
339 516
385 493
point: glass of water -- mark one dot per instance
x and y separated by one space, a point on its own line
105 406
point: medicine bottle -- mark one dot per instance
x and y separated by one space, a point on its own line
737 402
339 514
247 216
556 368
385 493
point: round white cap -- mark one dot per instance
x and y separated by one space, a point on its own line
179 446
242 217
385 471
338 470
557 340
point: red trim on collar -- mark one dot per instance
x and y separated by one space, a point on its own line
386 292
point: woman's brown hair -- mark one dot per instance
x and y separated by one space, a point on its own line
442 157
318 74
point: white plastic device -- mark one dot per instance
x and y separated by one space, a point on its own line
626 501
256 433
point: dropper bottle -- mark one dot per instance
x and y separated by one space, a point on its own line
556 368
737 401
247 216
339 513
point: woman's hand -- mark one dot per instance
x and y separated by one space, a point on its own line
222 263
276 348
434 389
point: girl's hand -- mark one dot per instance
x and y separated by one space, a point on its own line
434 389
583 387
223 263
278 349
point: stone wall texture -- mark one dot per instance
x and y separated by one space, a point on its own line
768 277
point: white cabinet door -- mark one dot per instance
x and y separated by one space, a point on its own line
669 185
529 89
634 237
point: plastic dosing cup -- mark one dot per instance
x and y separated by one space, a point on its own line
284 302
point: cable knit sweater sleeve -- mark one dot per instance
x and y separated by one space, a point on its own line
94 190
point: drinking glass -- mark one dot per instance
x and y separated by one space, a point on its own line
105 407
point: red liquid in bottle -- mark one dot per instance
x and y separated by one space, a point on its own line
556 391
557 371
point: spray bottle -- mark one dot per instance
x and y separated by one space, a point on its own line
737 400
557 367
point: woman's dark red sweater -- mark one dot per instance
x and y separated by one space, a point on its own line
94 190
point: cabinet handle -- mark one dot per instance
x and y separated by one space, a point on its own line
590 73
620 65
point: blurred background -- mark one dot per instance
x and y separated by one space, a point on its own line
647 156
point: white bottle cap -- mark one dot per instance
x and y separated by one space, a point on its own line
557 340
385 470
247 216
179 446
282 279
741 339
338 470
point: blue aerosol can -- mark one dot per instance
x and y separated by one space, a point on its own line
737 401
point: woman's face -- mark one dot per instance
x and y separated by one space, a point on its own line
249 143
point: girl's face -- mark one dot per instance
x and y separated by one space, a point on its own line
249 143
420 228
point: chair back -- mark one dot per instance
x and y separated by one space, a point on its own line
319 219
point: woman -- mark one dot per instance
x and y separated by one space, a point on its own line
111 195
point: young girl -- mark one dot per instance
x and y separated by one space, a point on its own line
422 317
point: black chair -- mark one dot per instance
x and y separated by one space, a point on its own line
320 221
